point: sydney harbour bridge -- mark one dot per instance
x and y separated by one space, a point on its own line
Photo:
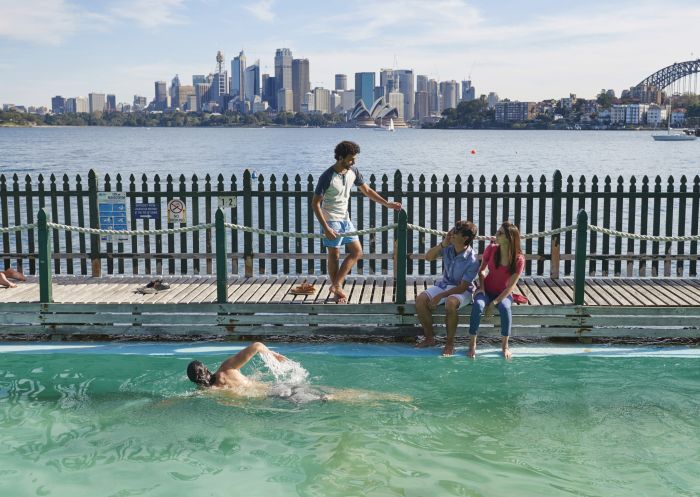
678 78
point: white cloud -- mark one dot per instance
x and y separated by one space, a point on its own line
150 13
39 21
262 9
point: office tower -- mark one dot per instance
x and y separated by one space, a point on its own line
111 104
251 82
364 88
404 82
347 100
160 101
449 91
70 106
285 100
174 85
492 99
283 71
81 105
300 81
191 103
468 91
434 97
219 86
238 68
184 92
334 105
386 81
308 104
198 78
422 82
379 92
395 99
422 109
201 91
341 82
269 93
322 100
58 105
140 103
96 102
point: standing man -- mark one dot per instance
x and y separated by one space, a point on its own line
330 204
454 289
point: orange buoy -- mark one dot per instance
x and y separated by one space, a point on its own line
473 151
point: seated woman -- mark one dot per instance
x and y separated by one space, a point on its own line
10 274
454 289
501 266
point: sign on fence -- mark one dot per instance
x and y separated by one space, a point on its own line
177 212
112 208
227 201
147 211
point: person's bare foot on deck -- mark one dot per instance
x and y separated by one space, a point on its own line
14 274
4 282
427 342
471 353
449 350
339 295
507 354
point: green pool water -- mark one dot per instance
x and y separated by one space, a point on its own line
123 420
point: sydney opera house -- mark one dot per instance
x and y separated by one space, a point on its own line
379 115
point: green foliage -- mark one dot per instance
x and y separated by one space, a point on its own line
474 114
604 100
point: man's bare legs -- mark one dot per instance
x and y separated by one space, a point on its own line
354 252
4 282
451 308
425 316
14 274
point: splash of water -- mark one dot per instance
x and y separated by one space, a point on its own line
289 372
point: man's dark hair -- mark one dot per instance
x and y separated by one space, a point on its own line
467 229
346 148
199 374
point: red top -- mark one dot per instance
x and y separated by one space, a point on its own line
497 279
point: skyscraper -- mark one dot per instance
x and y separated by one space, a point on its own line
269 95
58 105
174 85
386 81
238 67
300 81
283 70
449 91
468 91
406 85
421 83
251 83
433 97
81 104
70 106
111 104
160 101
364 88
97 102
341 82
422 104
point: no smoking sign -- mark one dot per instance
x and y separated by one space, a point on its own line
177 211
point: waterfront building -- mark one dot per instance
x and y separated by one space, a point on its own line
201 91
269 94
174 85
405 83
678 117
422 109
514 111
285 100
198 78
618 114
251 84
81 105
449 91
347 100
300 81
656 115
422 83
307 105
97 102
468 91
322 100
111 103
140 103
386 81
283 74
636 114
259 105
191 103
70 106
396 100
184 92
433 97
364 88
492 99
58 105
238 68
341 82
160 99
334 106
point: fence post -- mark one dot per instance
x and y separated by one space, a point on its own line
221 273
401 258
45 287
248 221
580 265
556 224
94 215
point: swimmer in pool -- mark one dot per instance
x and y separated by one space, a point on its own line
229 378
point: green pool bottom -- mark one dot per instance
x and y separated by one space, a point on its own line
125 421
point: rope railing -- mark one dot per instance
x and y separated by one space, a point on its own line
647 238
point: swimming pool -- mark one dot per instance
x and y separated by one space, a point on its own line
122 419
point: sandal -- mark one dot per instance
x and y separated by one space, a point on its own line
303 289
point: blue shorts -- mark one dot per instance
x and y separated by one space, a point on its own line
340 227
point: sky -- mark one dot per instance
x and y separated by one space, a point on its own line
522 50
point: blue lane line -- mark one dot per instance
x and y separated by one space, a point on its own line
187 350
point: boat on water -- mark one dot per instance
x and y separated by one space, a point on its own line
673 137
387 128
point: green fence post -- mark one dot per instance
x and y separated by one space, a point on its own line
580 265
94 213
248 221
221 273
401 258
45 293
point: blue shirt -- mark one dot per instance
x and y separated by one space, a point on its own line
458 267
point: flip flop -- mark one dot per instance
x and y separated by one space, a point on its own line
303 289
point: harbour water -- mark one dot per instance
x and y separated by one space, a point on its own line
124 420
306 151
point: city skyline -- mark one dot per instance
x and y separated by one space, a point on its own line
71 47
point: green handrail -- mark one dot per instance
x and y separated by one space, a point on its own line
45 286
580 265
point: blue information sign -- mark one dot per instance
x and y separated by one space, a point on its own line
147 211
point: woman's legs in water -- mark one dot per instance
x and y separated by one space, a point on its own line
481 300
504 309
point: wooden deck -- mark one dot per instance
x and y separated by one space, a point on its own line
263 305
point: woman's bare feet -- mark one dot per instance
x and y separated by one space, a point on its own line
425 343
506 353
14 274
471 353
449 349
4 282
338 295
